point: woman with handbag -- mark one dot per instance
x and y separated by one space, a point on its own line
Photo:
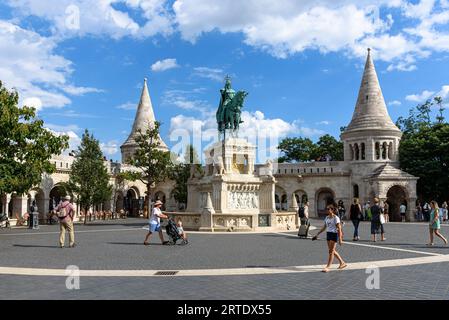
355 214
377 221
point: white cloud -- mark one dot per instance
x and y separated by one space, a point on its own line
67 130
80 91
33 102
110 148
163 65
280 28
324 122
263 132
419 97
61 128
209 73
185 100
394 103
127 106
444 92
99 17
29 64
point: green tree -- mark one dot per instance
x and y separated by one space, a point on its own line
181 174
89 177
423 151
328 145
154 165
296 149
25 145
303 149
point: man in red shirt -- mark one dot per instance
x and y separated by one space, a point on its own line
65 213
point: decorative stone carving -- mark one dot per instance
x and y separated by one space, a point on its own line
243 200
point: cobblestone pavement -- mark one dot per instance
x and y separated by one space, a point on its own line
117 245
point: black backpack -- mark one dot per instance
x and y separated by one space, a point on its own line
301 212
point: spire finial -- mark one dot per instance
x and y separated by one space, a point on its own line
145 79
369 50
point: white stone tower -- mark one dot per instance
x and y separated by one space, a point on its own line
371 136
144 118
371 144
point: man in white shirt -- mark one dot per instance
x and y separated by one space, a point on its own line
155 223
403 210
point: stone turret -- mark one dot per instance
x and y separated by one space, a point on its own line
144 118
371 136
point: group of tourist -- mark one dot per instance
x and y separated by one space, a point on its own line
423 211
378 217
333 225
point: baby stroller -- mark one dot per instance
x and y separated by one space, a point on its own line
172 231
4 221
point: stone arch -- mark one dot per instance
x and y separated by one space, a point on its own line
120 201
132 202
377 150
362 151
12 206
396 195
323 196
384 151
301 197
40 201
56 195
355 190
280 199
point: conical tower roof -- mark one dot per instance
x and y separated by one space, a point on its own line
370 111
144 118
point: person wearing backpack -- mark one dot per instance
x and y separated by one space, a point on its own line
65 213
303 211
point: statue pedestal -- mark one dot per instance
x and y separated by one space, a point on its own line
230 196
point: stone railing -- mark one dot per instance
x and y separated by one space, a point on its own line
304 168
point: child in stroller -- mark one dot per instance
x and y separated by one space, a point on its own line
175 231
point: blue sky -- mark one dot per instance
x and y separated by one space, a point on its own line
82 62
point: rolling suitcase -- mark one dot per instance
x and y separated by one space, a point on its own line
303 231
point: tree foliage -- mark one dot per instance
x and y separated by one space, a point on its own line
89 178
154 164
181 174
25 145
300 149
423 151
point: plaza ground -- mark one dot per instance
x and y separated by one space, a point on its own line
115 264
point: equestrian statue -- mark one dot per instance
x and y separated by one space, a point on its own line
230 108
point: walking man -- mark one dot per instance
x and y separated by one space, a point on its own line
65 213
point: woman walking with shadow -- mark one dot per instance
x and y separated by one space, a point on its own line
434 223
332 225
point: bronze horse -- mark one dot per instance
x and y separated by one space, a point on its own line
232 113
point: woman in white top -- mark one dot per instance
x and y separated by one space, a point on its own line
332 226
155 223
